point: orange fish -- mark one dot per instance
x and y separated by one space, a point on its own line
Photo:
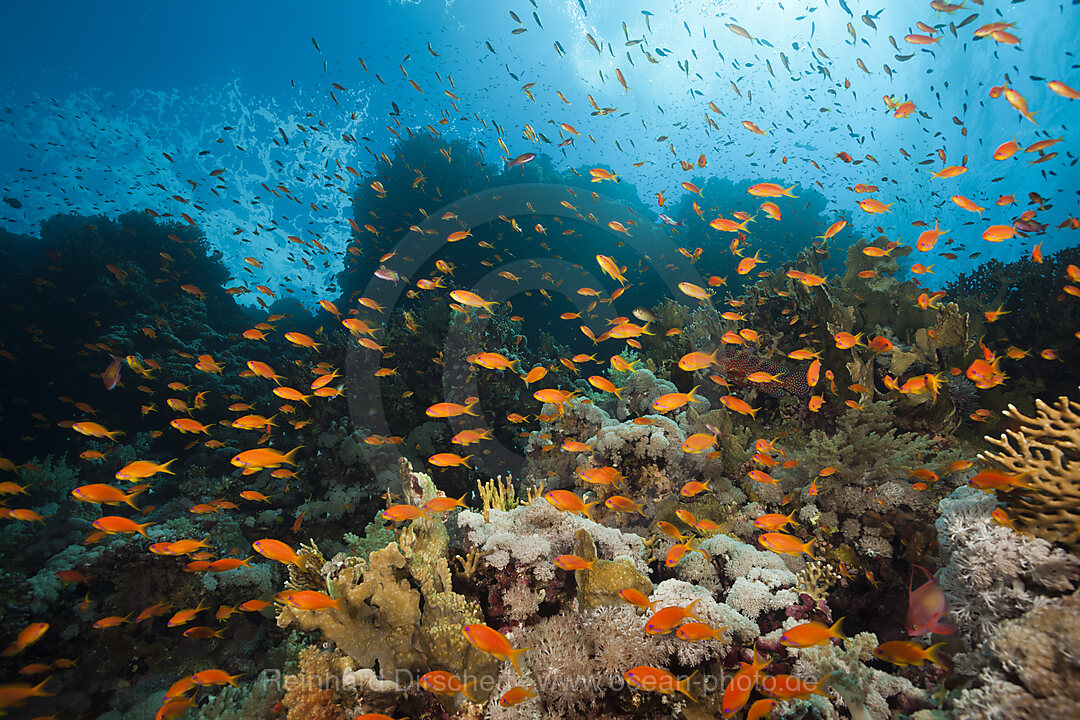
653 679
215 677
674 401
102 494
812 633
738 690
26 637
908 652
493 642
568 501
785 687
740 406
664 620
785 544
277 550
774 521
695 631
141 469
313 600
511 697
113 524
637 598
442 682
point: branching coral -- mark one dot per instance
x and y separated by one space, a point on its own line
815 579
1046 449
866 449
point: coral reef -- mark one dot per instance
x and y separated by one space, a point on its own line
865 690
989 572
1045 449
1033 672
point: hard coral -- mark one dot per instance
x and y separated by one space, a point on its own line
1047 449
382 612
310 694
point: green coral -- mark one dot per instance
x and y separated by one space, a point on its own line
376 536
865 448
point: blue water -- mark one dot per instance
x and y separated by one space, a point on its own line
94 97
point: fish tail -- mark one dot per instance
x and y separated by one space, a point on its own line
465 461
585 510
932 656
835 629
114 432
469 407
806 549
512 656
290 457
142 529
465 690
787 191
690 395
618 391
130 497
815 688
164 467
683 685
39 689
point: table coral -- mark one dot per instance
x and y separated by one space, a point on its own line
1047 448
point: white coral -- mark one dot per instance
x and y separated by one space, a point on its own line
864 690
534 534
988 568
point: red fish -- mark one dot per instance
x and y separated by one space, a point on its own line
111 376
738 366
926 607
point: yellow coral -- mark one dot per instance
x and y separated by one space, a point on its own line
1047 449
382 613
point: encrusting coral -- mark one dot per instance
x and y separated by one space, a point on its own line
1046 450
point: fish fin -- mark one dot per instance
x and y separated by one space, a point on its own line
289 456
932 656
684 684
